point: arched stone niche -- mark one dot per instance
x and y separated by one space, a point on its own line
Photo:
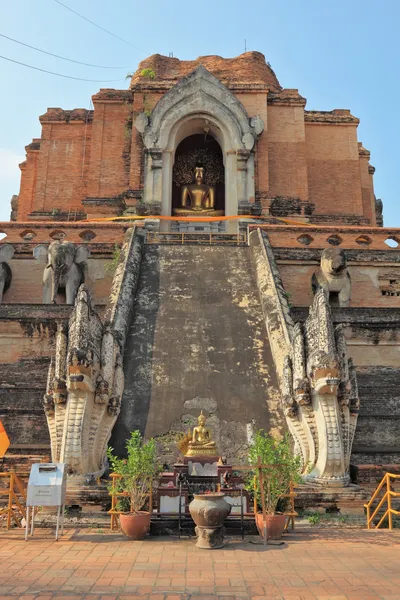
197 102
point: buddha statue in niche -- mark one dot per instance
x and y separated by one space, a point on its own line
198 199
202 443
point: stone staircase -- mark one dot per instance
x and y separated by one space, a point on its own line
197 340
348 500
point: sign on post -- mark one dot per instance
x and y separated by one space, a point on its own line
4 440
46 487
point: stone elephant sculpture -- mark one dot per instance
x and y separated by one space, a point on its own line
6 253
333 277
63 270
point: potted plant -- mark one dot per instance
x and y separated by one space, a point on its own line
138 472
284 469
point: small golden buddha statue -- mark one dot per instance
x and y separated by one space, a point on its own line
201 444
198 198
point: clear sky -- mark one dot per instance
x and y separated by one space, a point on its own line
341 54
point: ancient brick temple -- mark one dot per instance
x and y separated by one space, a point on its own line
249 276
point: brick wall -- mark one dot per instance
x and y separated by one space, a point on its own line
107 174
286 152
367 189
334 180
28 180
59 177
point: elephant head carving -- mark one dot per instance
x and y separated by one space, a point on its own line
63 269
6 253
333 277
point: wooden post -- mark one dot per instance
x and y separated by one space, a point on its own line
10 499
151 500
389 501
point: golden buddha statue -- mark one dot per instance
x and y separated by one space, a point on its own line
202 443
198 198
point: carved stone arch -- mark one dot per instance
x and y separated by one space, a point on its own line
198 92
199 98
202 104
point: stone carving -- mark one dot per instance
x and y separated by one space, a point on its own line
333 277
257 124
379 212
63 269
86 368
14 207
85 378
6 253
320 396
141 122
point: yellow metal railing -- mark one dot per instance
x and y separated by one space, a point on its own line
157 237
388 496
15 491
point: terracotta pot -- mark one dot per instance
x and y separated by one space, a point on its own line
135 526
275 525
209 511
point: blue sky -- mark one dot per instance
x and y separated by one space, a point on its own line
338 54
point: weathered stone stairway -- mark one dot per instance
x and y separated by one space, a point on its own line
197 340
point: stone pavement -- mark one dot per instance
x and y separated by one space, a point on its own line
319 563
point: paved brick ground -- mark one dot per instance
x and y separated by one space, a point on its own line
323 564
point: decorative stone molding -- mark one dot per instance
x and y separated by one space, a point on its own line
274 301
86 379
286 97
59 115
337 116
320 396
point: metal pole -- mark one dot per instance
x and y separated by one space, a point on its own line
58 521
241 512
180 510
32 519
27 523
62 520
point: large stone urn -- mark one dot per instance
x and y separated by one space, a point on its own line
209 511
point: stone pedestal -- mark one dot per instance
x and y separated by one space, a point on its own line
209 538
209 511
